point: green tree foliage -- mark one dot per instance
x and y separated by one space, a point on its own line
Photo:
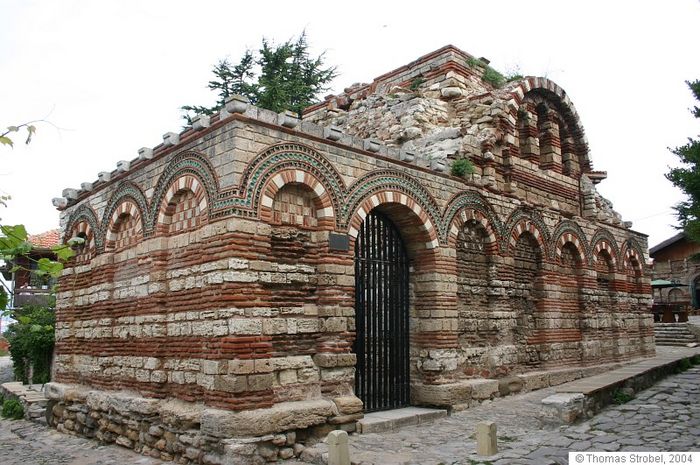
31 340
15 245
687 177
277 77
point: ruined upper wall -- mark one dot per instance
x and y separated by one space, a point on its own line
523 135
524 138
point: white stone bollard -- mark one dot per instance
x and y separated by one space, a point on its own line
338 452
486 441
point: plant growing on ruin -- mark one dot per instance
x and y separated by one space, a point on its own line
687 177
276 77
493 77
462 167
416 83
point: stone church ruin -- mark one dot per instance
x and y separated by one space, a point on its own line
259 280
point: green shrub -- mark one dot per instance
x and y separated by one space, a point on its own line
31 340
695 360
493 77
12 409
462 167
621 397
684 365
416 83
514 77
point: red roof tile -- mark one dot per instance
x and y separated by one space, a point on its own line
46 240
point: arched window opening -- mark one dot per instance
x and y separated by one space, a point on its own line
473 279
604 271
527 294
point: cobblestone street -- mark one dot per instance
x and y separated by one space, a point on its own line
665 417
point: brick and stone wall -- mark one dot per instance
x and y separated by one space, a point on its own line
208 307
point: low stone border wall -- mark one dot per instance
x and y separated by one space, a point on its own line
30 396
585 400
190 433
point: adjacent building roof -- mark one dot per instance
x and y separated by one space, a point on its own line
46 240
678 237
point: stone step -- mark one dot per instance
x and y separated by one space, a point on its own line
390 420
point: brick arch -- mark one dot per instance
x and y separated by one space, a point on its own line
183 184
378 182
323 201
127 210
274 160
88 249
188 163
521 221
631 251
470 214
557 98
568 231
84 214
604 240
470 206
386 198
573 239
125 192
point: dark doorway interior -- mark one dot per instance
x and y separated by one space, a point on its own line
381 309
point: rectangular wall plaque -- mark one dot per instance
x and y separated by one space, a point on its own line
339 242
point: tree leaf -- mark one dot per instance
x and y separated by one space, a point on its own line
14 237
49 267
3 298
63 252
6 141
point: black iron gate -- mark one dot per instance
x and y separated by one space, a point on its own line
381 311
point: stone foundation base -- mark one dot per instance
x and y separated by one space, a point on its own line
190 433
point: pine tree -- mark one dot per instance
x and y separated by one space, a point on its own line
279 77
687 177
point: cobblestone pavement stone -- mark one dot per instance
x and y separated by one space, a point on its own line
25 443
665 417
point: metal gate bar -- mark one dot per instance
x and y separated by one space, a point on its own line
381 313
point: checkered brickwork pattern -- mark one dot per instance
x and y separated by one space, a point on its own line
183 212
294 204
127 231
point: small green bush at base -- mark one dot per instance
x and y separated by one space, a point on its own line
621 397
684 365
12 409
695 360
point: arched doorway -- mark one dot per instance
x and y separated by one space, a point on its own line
381 315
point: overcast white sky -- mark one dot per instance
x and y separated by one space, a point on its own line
112 75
